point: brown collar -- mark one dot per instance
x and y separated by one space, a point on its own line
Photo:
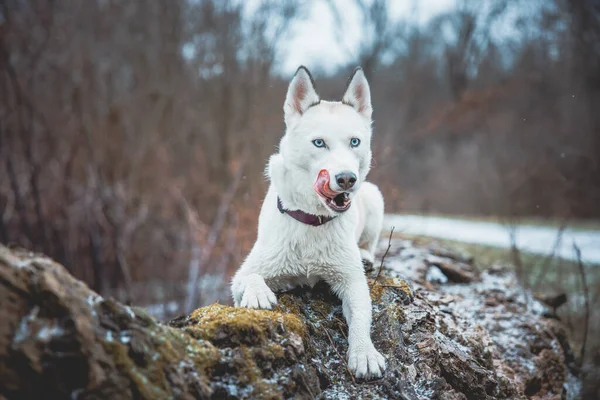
305 218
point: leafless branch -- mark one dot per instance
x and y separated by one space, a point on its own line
383 257
547 261
586 296
339 27
516 254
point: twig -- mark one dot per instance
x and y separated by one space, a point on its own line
516 255
586 297
306 386
338 353
383 258
341 324
550 257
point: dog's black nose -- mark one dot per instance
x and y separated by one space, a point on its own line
345 180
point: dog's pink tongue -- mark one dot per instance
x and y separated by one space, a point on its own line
322 184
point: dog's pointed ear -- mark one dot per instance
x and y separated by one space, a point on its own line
301 95
358 94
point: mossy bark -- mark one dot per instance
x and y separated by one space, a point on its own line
58 339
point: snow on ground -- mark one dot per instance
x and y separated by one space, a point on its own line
534 239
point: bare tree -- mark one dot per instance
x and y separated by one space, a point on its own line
379 36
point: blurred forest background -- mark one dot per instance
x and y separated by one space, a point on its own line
134 134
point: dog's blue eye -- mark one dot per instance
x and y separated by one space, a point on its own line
354 142
319 142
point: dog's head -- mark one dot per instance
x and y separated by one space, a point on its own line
326 149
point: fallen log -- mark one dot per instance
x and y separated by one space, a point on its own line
477 340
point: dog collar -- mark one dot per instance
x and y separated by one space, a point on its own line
305 218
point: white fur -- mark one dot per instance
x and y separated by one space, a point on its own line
287 252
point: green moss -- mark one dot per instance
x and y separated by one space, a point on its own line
250 373
266 391
379 288
322 308
144 359
143 316
146 388
289 304
405 288
397 313
376 292
274 351
241 325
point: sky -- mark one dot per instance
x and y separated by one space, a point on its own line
313 41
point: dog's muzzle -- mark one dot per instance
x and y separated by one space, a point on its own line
337 201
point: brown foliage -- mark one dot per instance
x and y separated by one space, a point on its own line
107 130
122 125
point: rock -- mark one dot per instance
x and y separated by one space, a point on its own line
481 339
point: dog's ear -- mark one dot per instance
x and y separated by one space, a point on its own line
301 95
358 94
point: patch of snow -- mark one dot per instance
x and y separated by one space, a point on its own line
48 332
411 253
92 300
130 312
76 393
125 337
534 239
435 275
233 390
572 386
24 263
23 330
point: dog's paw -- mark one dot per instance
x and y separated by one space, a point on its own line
367 257
258 295
368 266
366 362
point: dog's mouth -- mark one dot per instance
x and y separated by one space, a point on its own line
338 202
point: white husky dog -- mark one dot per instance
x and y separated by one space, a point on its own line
314 228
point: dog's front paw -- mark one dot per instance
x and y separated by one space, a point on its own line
258 295
366 362
368 258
